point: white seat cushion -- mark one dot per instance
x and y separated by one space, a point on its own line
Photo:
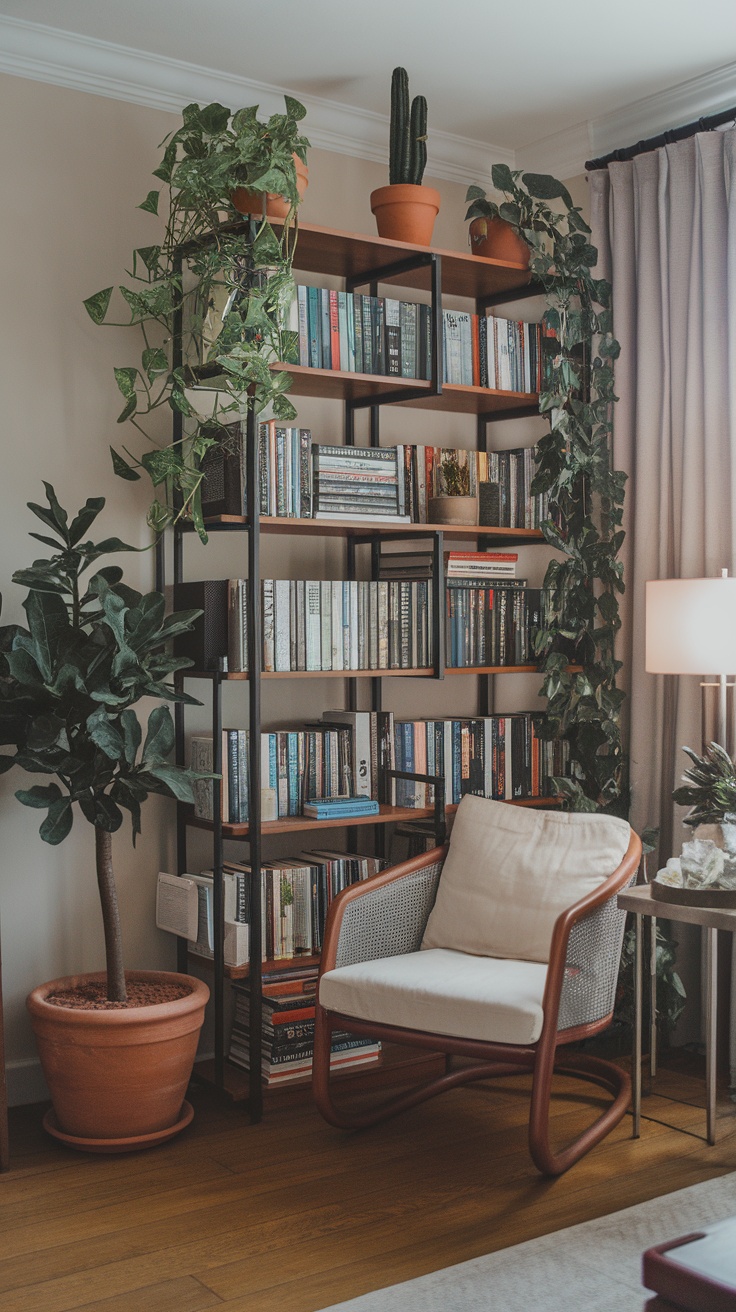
511 871
442 992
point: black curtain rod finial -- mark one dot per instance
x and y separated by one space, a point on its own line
706 123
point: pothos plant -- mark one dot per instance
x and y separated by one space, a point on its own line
212 298
575 469
68 684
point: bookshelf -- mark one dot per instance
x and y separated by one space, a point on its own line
362 262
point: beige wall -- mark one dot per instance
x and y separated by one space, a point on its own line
75 166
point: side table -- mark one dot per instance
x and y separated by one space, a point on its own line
643 903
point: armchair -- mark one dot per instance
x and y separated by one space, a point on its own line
509 985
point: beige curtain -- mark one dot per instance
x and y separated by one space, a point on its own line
665 227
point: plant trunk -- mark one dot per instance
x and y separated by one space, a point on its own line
116 991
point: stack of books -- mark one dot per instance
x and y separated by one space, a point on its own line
340 808
346 753
498 756
492 625
358 483
503 354
288 1033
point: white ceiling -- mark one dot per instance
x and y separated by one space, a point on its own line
534 83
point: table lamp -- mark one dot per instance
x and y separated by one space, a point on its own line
691 629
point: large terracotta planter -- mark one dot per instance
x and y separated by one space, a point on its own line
118 1078
406 212
495 239
277 207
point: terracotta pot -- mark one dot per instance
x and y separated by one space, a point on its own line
277 207
405 212
452 510
118 1075
495 239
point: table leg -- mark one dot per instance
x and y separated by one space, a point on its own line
636 1055
653 997
710 943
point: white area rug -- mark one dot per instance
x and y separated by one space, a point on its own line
593 1267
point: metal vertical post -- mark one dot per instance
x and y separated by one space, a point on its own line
652 997
636 1054
180 751
710 943
255 646
218 765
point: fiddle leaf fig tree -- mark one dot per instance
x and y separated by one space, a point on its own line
69 681
575 469
210 299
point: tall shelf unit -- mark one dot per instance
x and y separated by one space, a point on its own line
361 262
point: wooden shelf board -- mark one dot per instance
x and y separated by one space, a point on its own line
349 254
352 528
339 385
396 1065
387 815
295 964
241 676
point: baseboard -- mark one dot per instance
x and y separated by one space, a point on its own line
25 1082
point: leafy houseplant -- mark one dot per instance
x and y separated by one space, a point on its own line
210 268
456 505
491 235
709 787
68 684
586 493
406 210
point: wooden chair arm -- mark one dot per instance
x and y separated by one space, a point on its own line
368 888
573 915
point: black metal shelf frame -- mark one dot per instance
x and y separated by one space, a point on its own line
372 278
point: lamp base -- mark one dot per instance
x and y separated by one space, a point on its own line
718 714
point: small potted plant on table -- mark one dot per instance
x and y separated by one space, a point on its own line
406 210
116 1049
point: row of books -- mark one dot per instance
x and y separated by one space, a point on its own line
492 625
498 756
288 1033
323 624
343 755
303 479
355 333
296 892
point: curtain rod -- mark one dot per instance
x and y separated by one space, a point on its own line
663 139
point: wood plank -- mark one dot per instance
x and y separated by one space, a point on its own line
183 1295
292 1214
282 524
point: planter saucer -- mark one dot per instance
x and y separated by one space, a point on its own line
131 1145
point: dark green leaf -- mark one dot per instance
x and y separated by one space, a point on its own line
87 516
38 796
122 468
175 779
98 305
150 204
105 734
159 736
58 822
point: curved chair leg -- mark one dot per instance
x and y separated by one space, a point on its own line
582 1066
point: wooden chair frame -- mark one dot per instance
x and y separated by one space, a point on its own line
543 1058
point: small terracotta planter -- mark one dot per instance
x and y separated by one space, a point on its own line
406 212
277 207
495 239
452 510
117 1078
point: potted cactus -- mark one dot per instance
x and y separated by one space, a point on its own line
406 210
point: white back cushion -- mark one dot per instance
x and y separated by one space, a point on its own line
511 870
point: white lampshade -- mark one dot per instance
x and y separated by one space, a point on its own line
691 626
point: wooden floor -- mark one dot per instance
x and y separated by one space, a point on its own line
295 1216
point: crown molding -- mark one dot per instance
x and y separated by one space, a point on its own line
48 54
699 96
563 154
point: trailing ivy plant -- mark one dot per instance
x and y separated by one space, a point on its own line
586 493
212 298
